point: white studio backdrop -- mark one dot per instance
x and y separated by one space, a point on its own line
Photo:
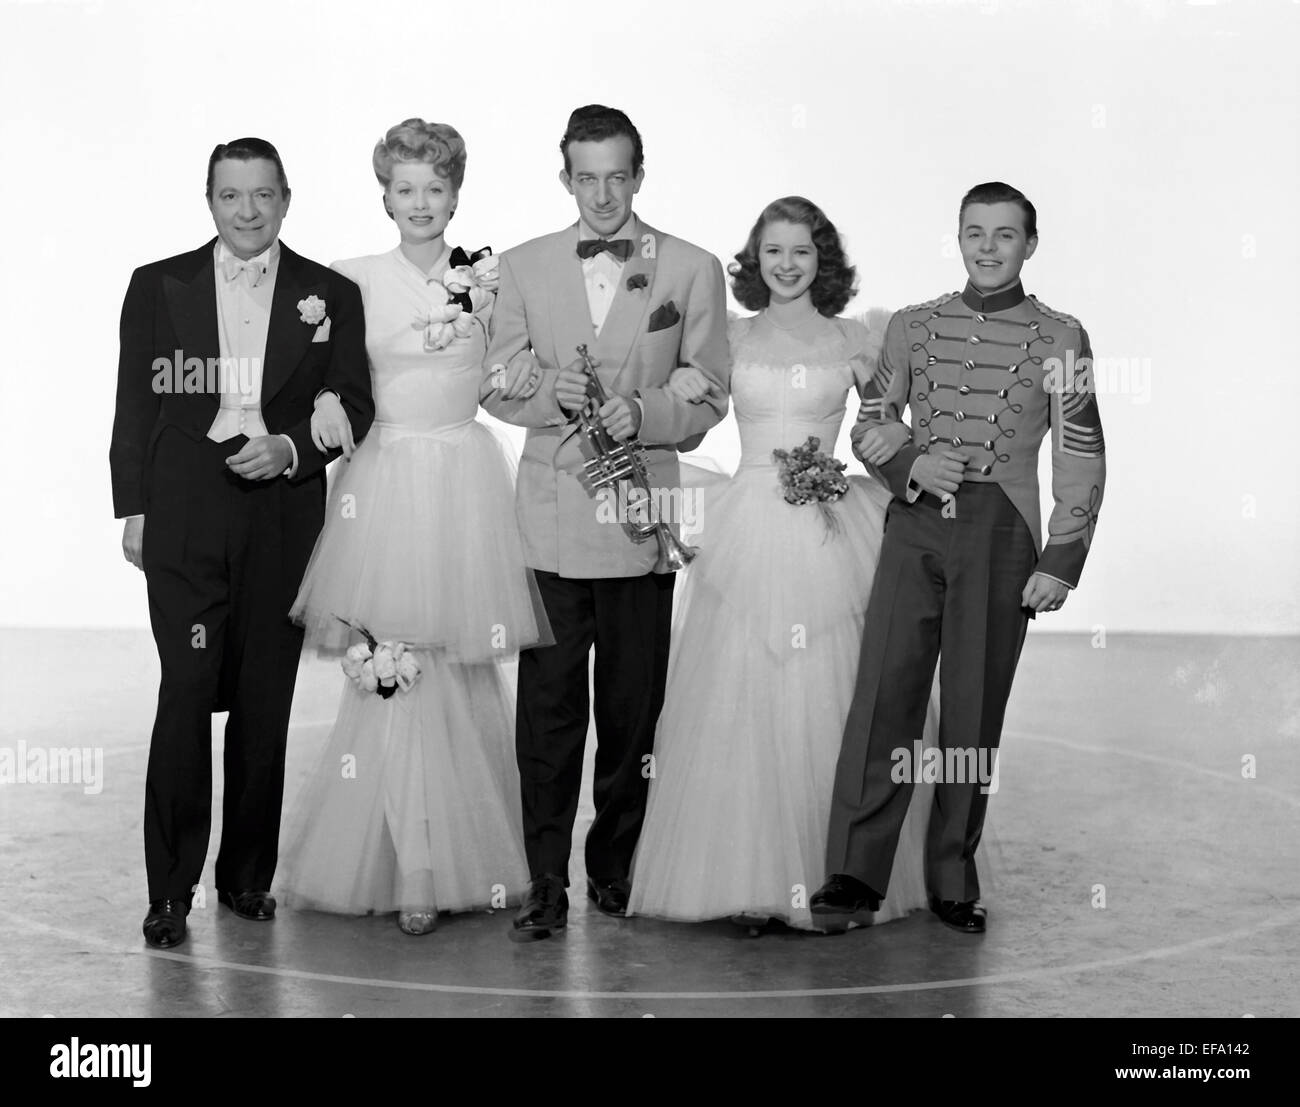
1158 141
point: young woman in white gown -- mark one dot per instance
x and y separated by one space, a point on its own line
414 805
770 618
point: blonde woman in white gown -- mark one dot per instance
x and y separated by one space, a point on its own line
769 622
414 805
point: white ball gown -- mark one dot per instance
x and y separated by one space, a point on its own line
765 647
414 805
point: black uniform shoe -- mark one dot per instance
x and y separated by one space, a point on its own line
164 926
842 896
968 916
545 909
609 896
249 904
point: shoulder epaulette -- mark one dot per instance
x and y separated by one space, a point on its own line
936 302
1059 316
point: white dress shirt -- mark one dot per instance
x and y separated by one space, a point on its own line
601 273
243 319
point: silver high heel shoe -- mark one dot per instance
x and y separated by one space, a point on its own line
417 922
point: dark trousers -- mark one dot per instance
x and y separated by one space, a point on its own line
951 583
223 558
628 620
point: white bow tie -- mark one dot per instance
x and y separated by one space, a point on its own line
233 266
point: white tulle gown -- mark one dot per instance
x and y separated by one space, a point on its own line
765 647
414 804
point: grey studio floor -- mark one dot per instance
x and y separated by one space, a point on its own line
1121 777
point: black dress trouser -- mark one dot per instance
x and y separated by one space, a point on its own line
628 621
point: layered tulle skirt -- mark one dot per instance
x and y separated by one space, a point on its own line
421 545
766 638
413 803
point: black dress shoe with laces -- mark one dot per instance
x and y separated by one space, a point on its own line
842 896
609 896
545 909
164 925
968 916
250 904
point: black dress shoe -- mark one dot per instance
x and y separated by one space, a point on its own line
842 896
609 896
968 916
164 926
545 909
249 904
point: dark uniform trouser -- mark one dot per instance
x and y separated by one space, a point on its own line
956 581
628 619
223 558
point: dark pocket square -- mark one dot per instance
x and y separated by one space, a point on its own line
663 317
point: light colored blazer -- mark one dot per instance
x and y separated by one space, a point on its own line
542 305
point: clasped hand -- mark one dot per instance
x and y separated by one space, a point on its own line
878 444
520 379
263 457
690 385
619 415
940 471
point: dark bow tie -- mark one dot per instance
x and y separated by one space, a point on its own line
621 248
457 259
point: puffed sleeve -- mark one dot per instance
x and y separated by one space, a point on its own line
864 336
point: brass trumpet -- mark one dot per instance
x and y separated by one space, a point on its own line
625 461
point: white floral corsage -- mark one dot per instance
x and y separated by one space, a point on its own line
467 287
381 667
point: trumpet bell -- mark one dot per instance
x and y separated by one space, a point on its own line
673 555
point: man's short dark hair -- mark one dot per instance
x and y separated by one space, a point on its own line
247 149
595 123
995 192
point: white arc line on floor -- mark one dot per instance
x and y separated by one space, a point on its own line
1046 972
1043 973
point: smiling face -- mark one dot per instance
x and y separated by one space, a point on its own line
787 260
419 200
600 178
247 204
993 244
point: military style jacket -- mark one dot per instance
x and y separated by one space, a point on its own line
990 375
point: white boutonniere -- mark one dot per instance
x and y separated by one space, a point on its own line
312 310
